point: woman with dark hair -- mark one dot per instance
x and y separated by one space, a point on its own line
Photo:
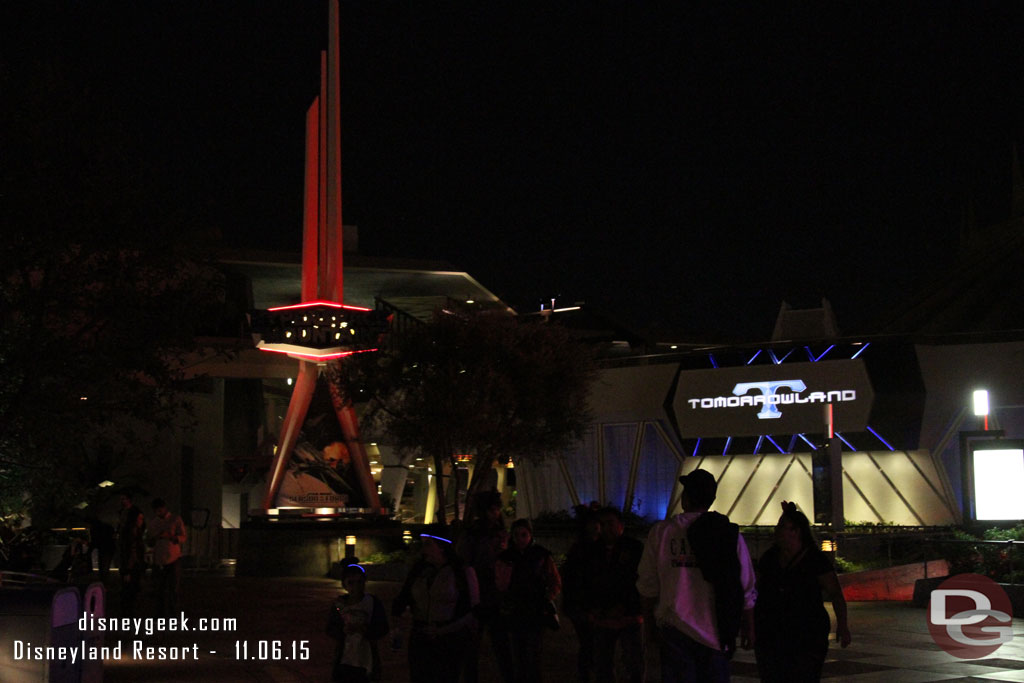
791 623
442 592
528 582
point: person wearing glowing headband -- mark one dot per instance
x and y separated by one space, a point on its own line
441 592
357 620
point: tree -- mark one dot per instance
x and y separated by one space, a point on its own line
101 290
492 386
91 342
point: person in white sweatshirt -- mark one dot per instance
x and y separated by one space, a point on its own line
697 585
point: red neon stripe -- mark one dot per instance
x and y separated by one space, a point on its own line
310 304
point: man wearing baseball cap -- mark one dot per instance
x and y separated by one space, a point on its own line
696 581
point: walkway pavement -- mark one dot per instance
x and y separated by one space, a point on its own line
891 643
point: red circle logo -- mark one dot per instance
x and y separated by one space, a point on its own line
970 616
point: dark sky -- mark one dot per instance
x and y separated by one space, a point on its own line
683 166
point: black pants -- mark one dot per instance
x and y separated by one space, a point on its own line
168 583
585 653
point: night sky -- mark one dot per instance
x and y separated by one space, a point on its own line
684 167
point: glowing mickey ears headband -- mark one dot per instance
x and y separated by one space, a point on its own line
436 538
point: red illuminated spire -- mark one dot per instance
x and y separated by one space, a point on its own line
322 273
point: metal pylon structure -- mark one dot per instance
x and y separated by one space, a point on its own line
342 332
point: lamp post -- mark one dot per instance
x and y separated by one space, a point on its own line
827 477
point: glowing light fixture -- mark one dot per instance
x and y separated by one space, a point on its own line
106 483
310 354
828 546
329 304
981 404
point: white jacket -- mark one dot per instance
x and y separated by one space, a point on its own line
668 571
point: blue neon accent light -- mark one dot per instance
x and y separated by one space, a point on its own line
824 352
357 566
728 442
879 437
695 447
775 358
862 349
810 354
843 439
777 446
436 538
788 353
757 448
714 363
754 356
808 442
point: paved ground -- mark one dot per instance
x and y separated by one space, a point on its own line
890 641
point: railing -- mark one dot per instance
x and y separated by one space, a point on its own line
996 559
210 546
874 548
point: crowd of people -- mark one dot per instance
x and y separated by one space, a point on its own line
139 544
681 602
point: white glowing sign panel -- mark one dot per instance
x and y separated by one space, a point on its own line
998 482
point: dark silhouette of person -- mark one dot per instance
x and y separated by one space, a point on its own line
528 582
103 540
790 618
166 533
613 601
479 545
576 574
131 552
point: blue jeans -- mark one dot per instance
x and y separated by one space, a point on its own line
684 660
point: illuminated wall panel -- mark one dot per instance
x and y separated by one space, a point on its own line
540 488
998 482
581 463
656 471
868 497
619 445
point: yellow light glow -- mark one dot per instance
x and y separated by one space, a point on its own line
828 546
350 540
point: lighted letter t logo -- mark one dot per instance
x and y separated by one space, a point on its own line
768 409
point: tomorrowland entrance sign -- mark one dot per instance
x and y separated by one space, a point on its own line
772 399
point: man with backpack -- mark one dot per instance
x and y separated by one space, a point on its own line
696 582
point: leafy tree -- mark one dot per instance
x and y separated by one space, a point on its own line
492 386
101 291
